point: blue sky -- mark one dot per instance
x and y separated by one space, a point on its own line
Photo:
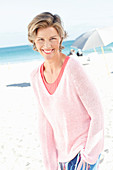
78 16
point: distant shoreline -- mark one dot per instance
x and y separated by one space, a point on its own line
28 44
25 53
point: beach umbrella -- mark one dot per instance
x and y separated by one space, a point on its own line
98 37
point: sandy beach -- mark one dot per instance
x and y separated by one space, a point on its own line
19 144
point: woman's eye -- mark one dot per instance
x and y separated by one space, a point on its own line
53 39
40 39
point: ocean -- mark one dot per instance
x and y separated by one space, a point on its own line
26 53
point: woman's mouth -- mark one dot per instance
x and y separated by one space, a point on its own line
47 51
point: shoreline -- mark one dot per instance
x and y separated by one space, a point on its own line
19 145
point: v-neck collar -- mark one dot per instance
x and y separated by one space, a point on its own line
56 83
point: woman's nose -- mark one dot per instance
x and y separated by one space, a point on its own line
47 44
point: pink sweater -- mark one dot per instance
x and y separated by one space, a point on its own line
71 119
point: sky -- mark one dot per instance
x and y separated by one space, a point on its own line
78 16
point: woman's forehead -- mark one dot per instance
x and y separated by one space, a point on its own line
49 31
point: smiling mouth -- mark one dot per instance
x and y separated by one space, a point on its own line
47 51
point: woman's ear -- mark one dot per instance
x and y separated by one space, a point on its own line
34 47
60 45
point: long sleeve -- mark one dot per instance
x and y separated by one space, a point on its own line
47 143
89 97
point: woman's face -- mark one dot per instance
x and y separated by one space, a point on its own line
47 42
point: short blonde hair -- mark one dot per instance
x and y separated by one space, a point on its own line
44 20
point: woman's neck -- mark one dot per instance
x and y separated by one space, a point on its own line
54 65
52 69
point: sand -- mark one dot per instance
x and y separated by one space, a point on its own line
19 144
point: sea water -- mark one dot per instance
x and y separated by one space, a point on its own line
26 53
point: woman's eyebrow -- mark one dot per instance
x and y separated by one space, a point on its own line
50 37
54 36
39 37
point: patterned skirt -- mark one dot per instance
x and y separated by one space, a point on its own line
74 163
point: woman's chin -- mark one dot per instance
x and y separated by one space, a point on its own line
48 56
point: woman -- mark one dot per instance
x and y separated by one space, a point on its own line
70 116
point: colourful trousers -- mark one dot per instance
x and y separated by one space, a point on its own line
74 163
